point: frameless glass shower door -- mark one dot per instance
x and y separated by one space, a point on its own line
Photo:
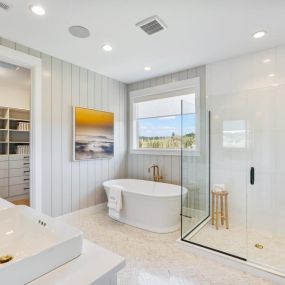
266 170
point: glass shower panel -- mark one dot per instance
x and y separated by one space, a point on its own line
228 136
266 195
195 169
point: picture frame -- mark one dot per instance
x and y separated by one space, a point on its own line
93 134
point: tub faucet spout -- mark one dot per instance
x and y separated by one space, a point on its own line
156 176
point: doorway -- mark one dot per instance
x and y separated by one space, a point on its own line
21 142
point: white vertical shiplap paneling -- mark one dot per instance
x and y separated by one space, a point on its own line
123 134
56 161
75 183
111 108
83 83
91 182
104 163
98 166
66 137
170 165
67 185
46 133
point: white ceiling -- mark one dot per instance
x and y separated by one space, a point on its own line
199 32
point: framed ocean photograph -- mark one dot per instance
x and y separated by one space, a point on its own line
93 134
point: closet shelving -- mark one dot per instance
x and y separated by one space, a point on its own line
14 129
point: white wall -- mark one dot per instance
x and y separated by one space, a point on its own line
240 89
67 185
15 88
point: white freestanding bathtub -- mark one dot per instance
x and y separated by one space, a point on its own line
149 205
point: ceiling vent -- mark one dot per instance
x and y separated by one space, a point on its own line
4 6
151 25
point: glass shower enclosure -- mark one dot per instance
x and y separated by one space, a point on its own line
239 144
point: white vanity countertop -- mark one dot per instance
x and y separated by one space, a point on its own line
95 265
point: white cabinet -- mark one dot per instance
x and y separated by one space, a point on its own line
19 175
14 152
4 189
4 181
19 189
18 180
15 172
14 175
4 164
21 163
3 173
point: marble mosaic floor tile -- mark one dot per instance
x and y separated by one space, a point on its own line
155 259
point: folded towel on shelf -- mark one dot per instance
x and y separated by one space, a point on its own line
219 187
115 201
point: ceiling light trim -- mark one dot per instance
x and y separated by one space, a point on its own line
107 47
38 10
259 34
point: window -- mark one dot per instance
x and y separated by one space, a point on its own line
155 125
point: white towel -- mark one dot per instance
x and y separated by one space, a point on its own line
115 201
219 187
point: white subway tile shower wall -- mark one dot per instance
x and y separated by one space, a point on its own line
240 89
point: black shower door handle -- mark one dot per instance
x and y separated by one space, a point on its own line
252 178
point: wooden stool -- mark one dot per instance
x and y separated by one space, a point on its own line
223 197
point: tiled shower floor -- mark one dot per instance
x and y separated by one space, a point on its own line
239 242
155 259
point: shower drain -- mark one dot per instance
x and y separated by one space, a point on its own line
5 258
259 246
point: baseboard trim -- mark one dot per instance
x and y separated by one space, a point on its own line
83 212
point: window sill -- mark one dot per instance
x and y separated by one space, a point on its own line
173 152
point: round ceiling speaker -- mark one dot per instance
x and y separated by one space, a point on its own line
79 32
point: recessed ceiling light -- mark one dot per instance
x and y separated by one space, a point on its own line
259 35
147 68
79 32
267 60
38 10
271 75
107 47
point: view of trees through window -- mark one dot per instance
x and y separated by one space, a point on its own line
165 132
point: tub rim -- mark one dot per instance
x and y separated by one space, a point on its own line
107 184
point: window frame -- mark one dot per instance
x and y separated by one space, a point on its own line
158 92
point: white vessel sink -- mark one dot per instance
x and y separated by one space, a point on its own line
37 243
